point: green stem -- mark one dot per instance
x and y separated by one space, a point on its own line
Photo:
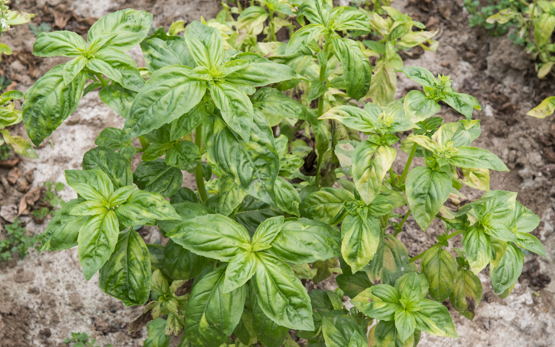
198 170
409 161
102 80
416 257
272 27
391 176
402 223
322 79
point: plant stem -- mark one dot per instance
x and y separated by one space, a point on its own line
409 161
402 223
102 80
322 79
391 175
272 27
416 257
198 170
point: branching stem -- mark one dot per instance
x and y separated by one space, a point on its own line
198 170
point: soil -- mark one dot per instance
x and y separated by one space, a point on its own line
44 297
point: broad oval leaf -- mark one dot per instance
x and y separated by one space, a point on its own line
62 231
64 43
466 294
505 275
212 314
427 191
49 102
144 207
303 241
213 236
357 72
126 275
97 240
440 268
370 165
360 237
281 295
161 50
181 263
167 95
129 26
111 163
158 177
326 205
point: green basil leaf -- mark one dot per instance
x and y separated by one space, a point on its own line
273 104
440 268
143 207
182 264
260 74
126 275
352 117
463 103
229 197
118 66
110 138
466 294
185 156
420 75
419 107
161 50
245 329
240 269
111 163
254 164
186 210
97 240
405 323
267 331
63 229
205 44
360 235
212 314
49 102
543 27
129 26
370 165
65 43
351 19
155 151
316 11
302 37
157 177
118 99
379 302
73 67
477 158
384 83
434 319
357 71
281 296
251 213
190 120
353 284
286 197
386 335
477 248
213 236
166 96
235 106
157 334
90 184
390 261
530 242
505 275
303 241
342 332
266 232
461 133
427 191
326 205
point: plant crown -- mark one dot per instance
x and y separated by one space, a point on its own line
294 180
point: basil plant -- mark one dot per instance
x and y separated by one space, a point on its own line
9 115
294 184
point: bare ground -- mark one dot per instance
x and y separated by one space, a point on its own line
45 297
